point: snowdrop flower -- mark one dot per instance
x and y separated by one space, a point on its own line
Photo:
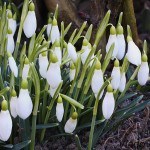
52 91
71 123
133 53
108 104
115 75
143 72
10 42
24 103
12 64
12 22
26 68
72 52
49 27
53 74
122 83
30 23
43 64
97 79
13 104
57 51
112 39
86 52
55 34
59 109
5 122
72 72
121 42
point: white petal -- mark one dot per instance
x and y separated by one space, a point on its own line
112 39
121 46
13 106
57 52
108 105
143 73
10 43
70 125
43 64
72 52
97 81
85 54
52 91
59 111
72 74
115 77
53 75
5 125
122 82
55 34
30 24
13 66
49 26
25 71
133 54
24 104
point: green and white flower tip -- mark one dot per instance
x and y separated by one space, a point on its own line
43 64
108 104
52 91
12 64
57 51
143 72
71 123
49 27
116 75
112 39
55 34
26 68
72 52
133 53
30 23
10 41
122 83
121 42
5 122
53 74
12 24
97 79
24 103
72 71
13 104
59 109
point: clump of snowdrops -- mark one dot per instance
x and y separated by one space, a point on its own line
49 83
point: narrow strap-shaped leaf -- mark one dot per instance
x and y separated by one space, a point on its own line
89 32
45 126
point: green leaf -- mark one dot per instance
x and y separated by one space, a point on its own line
120 18
89 32
21 145
5 90
72 36
67 28
45 126
72 101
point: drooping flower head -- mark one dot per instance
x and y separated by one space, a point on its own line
26 68
5 122
49 27
72 52
72 71
71 123
122 83
10 41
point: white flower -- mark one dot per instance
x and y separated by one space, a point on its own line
30 23
121 46
59 111
55 34
25 71
70 125
108 105
13 66
53 75
49 26
143 73
72 52
13 104
58 53
122 83
5 125
72 74
10 43
43 64
133 53
24 104
97 82
52 91
115 77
